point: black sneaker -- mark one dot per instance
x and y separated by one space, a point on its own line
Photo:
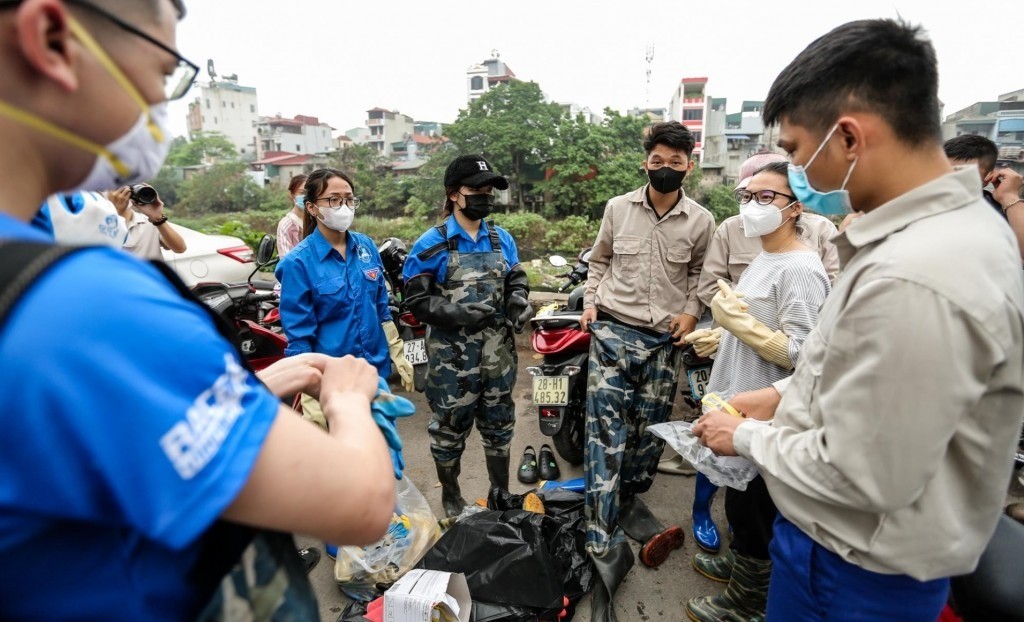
548 466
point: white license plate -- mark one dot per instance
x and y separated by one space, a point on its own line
698 378
416 351
551 390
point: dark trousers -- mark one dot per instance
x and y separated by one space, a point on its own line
751 514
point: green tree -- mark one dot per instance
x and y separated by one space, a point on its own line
204 146
692 183
512 126
364 165
224 187
593 163
721 202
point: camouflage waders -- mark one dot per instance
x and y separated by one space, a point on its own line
631 384
470 376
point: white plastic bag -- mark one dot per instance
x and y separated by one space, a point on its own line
362 570
732 471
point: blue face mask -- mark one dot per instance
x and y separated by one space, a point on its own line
300 201
834 203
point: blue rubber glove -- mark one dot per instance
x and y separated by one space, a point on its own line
386 409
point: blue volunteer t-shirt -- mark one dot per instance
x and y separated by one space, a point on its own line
437 264
128 428
335 305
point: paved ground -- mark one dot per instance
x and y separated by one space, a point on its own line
646 595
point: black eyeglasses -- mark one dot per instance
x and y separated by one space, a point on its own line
763 197
176 84
336 202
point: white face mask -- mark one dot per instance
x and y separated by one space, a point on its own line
139 153
86 219
338 218
760 219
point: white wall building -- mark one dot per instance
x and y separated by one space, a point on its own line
486 75
388 127
302 134
228 108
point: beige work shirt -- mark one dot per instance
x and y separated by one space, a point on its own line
893 441
731 252
143 237
644 271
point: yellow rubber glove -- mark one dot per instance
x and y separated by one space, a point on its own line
732 314
705 341
396 347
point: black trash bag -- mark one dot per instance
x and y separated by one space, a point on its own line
518 559
355 612
558 502
562 504
486 612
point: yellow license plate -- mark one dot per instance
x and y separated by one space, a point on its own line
551 390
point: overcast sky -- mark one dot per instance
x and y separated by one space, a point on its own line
337 59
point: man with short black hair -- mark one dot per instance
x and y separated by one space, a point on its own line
138 452
887 457
640 302
979 151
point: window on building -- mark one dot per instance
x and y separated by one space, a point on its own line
223 104
476 83
232 104
298 148
207 103
697 136
243 150
252 107
693 114
215 120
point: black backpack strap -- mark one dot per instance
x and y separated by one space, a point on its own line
21 265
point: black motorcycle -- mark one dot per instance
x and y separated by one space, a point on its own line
393 254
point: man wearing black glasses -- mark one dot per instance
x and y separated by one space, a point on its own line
137 449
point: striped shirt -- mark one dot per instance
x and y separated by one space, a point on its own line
785 292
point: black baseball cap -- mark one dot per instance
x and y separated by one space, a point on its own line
473 171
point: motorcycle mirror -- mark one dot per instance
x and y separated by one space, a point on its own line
265 251
558 261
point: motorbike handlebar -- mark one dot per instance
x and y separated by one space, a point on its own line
254 298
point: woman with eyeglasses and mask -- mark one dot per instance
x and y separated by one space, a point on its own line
765 326
463 279
333 297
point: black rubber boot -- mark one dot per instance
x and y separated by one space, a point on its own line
497 471
637 520
639 523
451 495
611 570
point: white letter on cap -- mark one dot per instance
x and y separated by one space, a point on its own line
483 165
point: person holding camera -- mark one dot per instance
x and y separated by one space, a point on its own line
148 230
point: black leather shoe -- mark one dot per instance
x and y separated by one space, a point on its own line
527 473
548 467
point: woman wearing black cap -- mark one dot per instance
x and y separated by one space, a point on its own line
463 279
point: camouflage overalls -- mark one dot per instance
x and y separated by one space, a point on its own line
471 375
631 384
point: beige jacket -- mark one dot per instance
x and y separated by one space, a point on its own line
893 441
645 271
731 252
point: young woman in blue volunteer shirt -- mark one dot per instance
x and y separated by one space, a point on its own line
463 279
333 297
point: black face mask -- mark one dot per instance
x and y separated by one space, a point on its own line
478 206
666 179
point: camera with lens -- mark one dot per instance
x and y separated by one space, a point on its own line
143 194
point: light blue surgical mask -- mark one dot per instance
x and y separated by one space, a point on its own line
834 203
300 201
